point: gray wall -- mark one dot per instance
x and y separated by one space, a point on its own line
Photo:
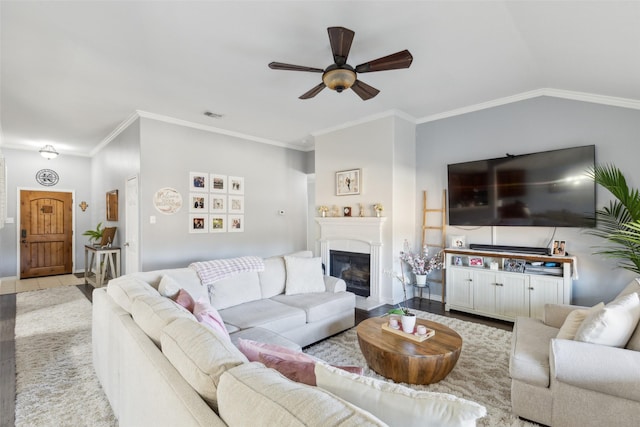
537 124
110 169
75 175
275 178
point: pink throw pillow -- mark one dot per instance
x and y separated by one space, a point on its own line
207 315
252 349
183 299
295 370
299 371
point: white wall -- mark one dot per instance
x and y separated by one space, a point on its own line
533 125
384 150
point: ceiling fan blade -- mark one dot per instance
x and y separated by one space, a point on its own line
391 62
340 39
364 91
290 67
313 92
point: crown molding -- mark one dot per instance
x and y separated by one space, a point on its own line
367 119
114 133
555 93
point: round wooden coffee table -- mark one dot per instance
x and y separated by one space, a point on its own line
407 361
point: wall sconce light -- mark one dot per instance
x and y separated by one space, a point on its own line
83 205
48 152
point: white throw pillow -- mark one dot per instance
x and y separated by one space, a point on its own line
574 320
168 287
396 404
304 275
613 324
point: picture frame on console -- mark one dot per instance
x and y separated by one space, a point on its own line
514 265
476 261
559 248
348 182
458 242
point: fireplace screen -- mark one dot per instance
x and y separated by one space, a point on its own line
354 269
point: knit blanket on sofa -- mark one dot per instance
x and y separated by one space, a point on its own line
218 269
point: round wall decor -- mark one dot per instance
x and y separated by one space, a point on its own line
47 177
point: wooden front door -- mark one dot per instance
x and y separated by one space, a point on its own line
46 235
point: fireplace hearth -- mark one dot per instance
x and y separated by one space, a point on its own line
354 269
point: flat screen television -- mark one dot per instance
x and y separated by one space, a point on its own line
547 189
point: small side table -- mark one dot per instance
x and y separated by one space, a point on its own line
422 287
95 270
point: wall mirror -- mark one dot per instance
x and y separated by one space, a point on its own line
112 205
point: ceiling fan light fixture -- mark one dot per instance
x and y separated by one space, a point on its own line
48 152
339 79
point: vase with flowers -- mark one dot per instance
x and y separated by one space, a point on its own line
323 210
422 264
378 208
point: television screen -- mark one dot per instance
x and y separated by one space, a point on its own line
547 189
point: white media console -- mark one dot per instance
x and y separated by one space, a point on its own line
506 285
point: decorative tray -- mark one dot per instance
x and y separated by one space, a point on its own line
413 337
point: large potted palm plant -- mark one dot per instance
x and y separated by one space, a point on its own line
619 222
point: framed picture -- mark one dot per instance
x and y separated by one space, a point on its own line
218 183
198 181
198 223
458 242
198 202
559 248
457 260
218 204
218 223
348 182
236 223
346 211
236 204
476 261
236 185
514 265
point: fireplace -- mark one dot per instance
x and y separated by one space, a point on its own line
354 269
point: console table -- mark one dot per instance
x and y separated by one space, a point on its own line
517 285
103 261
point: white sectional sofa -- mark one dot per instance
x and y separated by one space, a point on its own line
159 366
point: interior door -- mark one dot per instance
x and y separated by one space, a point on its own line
46 233
132 221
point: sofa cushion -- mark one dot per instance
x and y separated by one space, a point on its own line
168 287
267 314
235 290
574 320
320 305
633 286
612 325
123 290
304 275
254 389
152 313
529 361
200 355
396 404
634 341
262 335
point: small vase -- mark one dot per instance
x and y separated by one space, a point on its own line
378 214
421 279
324 214
408 322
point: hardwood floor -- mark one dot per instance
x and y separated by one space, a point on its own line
7 340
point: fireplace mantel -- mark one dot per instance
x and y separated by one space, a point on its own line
355 234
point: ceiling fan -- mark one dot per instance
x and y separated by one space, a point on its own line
340 75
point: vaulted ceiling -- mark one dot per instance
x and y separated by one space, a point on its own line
73 71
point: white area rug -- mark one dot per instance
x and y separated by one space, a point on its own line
481 374
55 381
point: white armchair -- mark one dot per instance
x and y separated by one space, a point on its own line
560 382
